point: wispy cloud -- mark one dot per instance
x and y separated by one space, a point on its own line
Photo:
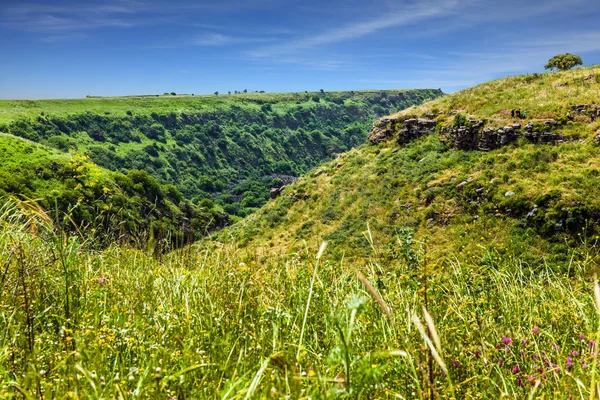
219 39
404 16
45 18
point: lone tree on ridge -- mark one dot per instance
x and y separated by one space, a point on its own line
563 62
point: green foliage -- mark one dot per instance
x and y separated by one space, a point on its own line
564 62
222 323
208 145
81 197
457 198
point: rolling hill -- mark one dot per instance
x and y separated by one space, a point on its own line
449 257
225 150
462 173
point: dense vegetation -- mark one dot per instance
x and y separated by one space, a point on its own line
532 201
224 149
433 278
131 208
222 324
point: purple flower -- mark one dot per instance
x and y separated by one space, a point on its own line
569 364
583 365
536 330
582 337
477 353
532 379
102 280
592 345
455 363
574 353
520 382
500 361
506 340
524 341
516 369
540 370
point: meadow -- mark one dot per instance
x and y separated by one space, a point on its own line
379 274
120 323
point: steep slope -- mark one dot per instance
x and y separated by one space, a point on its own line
102 205
459 174
229 149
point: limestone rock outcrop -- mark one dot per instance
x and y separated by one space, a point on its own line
382 130
415 128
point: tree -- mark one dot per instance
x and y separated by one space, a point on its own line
563 62
216 93
245 90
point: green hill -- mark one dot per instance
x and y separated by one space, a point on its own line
532 194
99 204
459 260
227 149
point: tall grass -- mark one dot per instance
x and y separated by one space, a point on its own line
218 323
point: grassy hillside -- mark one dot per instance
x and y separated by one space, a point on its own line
449 273
216 324
227 149
97 203
526 200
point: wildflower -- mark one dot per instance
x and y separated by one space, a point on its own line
102 280
516 369
477 353
536 330
455 363
592 345
524 341
574 353
583 365
569 364
520 382
582 337
506 340
500 361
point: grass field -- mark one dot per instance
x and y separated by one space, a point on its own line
15 109
374 276
122 324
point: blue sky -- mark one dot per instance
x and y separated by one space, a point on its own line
72 48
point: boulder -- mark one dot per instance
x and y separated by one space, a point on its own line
509 194
382 130
275 193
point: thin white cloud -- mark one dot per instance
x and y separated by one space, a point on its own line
44 18
219 39
403 16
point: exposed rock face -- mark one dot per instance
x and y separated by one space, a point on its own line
586 108
276 192
473 135
470 135
382 130
414 128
